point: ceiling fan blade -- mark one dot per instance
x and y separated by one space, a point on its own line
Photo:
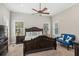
46 13
35 10
44 9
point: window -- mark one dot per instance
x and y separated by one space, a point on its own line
45 29
56 29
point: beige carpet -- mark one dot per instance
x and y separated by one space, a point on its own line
17 50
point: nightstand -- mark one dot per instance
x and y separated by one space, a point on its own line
19 39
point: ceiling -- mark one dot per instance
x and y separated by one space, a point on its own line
53 8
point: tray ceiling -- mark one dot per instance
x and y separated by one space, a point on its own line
53 8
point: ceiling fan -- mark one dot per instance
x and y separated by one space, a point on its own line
41 11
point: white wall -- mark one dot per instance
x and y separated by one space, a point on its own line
4 16
69 20
29 21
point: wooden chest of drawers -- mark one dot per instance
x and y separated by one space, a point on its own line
76 46
19 39
4 47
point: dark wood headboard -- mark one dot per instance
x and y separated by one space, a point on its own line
33 29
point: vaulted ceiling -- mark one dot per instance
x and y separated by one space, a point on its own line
53 8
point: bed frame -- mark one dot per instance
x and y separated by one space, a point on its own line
33 29
39 43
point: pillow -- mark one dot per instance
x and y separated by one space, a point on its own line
61 38
68 39
28 34
27 38
36 34
39 33
33 33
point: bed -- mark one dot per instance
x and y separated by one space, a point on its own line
37 42
33 32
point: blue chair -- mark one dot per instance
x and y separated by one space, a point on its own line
66 40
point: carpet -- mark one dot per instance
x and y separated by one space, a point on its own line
17 50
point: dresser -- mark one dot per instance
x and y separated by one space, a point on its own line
3 46
76 46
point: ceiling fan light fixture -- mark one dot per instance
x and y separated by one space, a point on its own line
41 11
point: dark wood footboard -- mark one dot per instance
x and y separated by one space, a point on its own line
40 43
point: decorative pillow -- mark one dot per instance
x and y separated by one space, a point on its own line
68 39
27 38
39 33
61 38
28 34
